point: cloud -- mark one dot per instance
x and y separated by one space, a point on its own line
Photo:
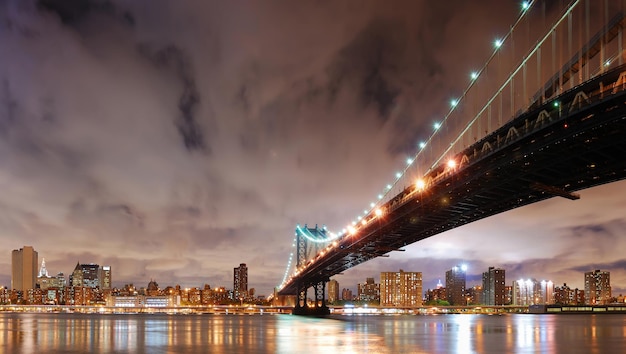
175 140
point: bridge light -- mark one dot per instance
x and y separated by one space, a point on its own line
372 204
497 43
437 125
474 75
378 212
351 230
364 222
464 267
420 184
380 196
388 186
454 102
409 161
556 103
607 63
398 174
451 163
422 144
525 5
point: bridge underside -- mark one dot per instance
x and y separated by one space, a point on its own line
580 143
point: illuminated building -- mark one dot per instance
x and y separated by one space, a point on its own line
494 292
333 290
45 281
474 295
401 289
105 277
437 294
346 294
455 285
85 275
24 269
240 282
370 291
532 292
597 287
563 295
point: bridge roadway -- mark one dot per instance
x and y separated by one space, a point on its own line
567 143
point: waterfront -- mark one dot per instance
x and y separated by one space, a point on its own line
161 333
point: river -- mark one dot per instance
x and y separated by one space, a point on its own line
161 333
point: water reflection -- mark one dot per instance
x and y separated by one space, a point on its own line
64 333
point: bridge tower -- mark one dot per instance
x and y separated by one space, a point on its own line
308 242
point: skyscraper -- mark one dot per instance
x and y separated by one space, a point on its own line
333 290
455 285
24 269
494 287
105 277
240 282
402 289
597 287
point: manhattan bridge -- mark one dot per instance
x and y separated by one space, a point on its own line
545 116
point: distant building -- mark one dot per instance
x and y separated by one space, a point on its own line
333 290
597 287
401 289
437 294
474 295
494 292
24 269
455 285
105 277
369 291
240 282
346 295
563 295
532 292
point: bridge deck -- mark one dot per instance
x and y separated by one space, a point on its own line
555 149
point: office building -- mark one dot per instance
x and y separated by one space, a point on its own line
24 269
455 285
105 277
333 290
597 287
240 282
401 289
494 288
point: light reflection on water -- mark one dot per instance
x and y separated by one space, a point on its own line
78 333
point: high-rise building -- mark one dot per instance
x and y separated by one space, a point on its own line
532 292
24 269
105 277
240 282
597 287
401 289
333 290
494 292
370 291
455 285
90 276
76 278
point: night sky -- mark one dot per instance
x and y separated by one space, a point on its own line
174 140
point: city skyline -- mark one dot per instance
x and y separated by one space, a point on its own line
171 141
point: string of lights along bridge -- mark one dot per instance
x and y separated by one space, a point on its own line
542 117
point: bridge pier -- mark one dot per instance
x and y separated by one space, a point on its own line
319 307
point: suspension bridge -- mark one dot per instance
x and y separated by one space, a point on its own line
548 121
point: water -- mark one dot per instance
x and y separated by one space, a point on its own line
520 333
